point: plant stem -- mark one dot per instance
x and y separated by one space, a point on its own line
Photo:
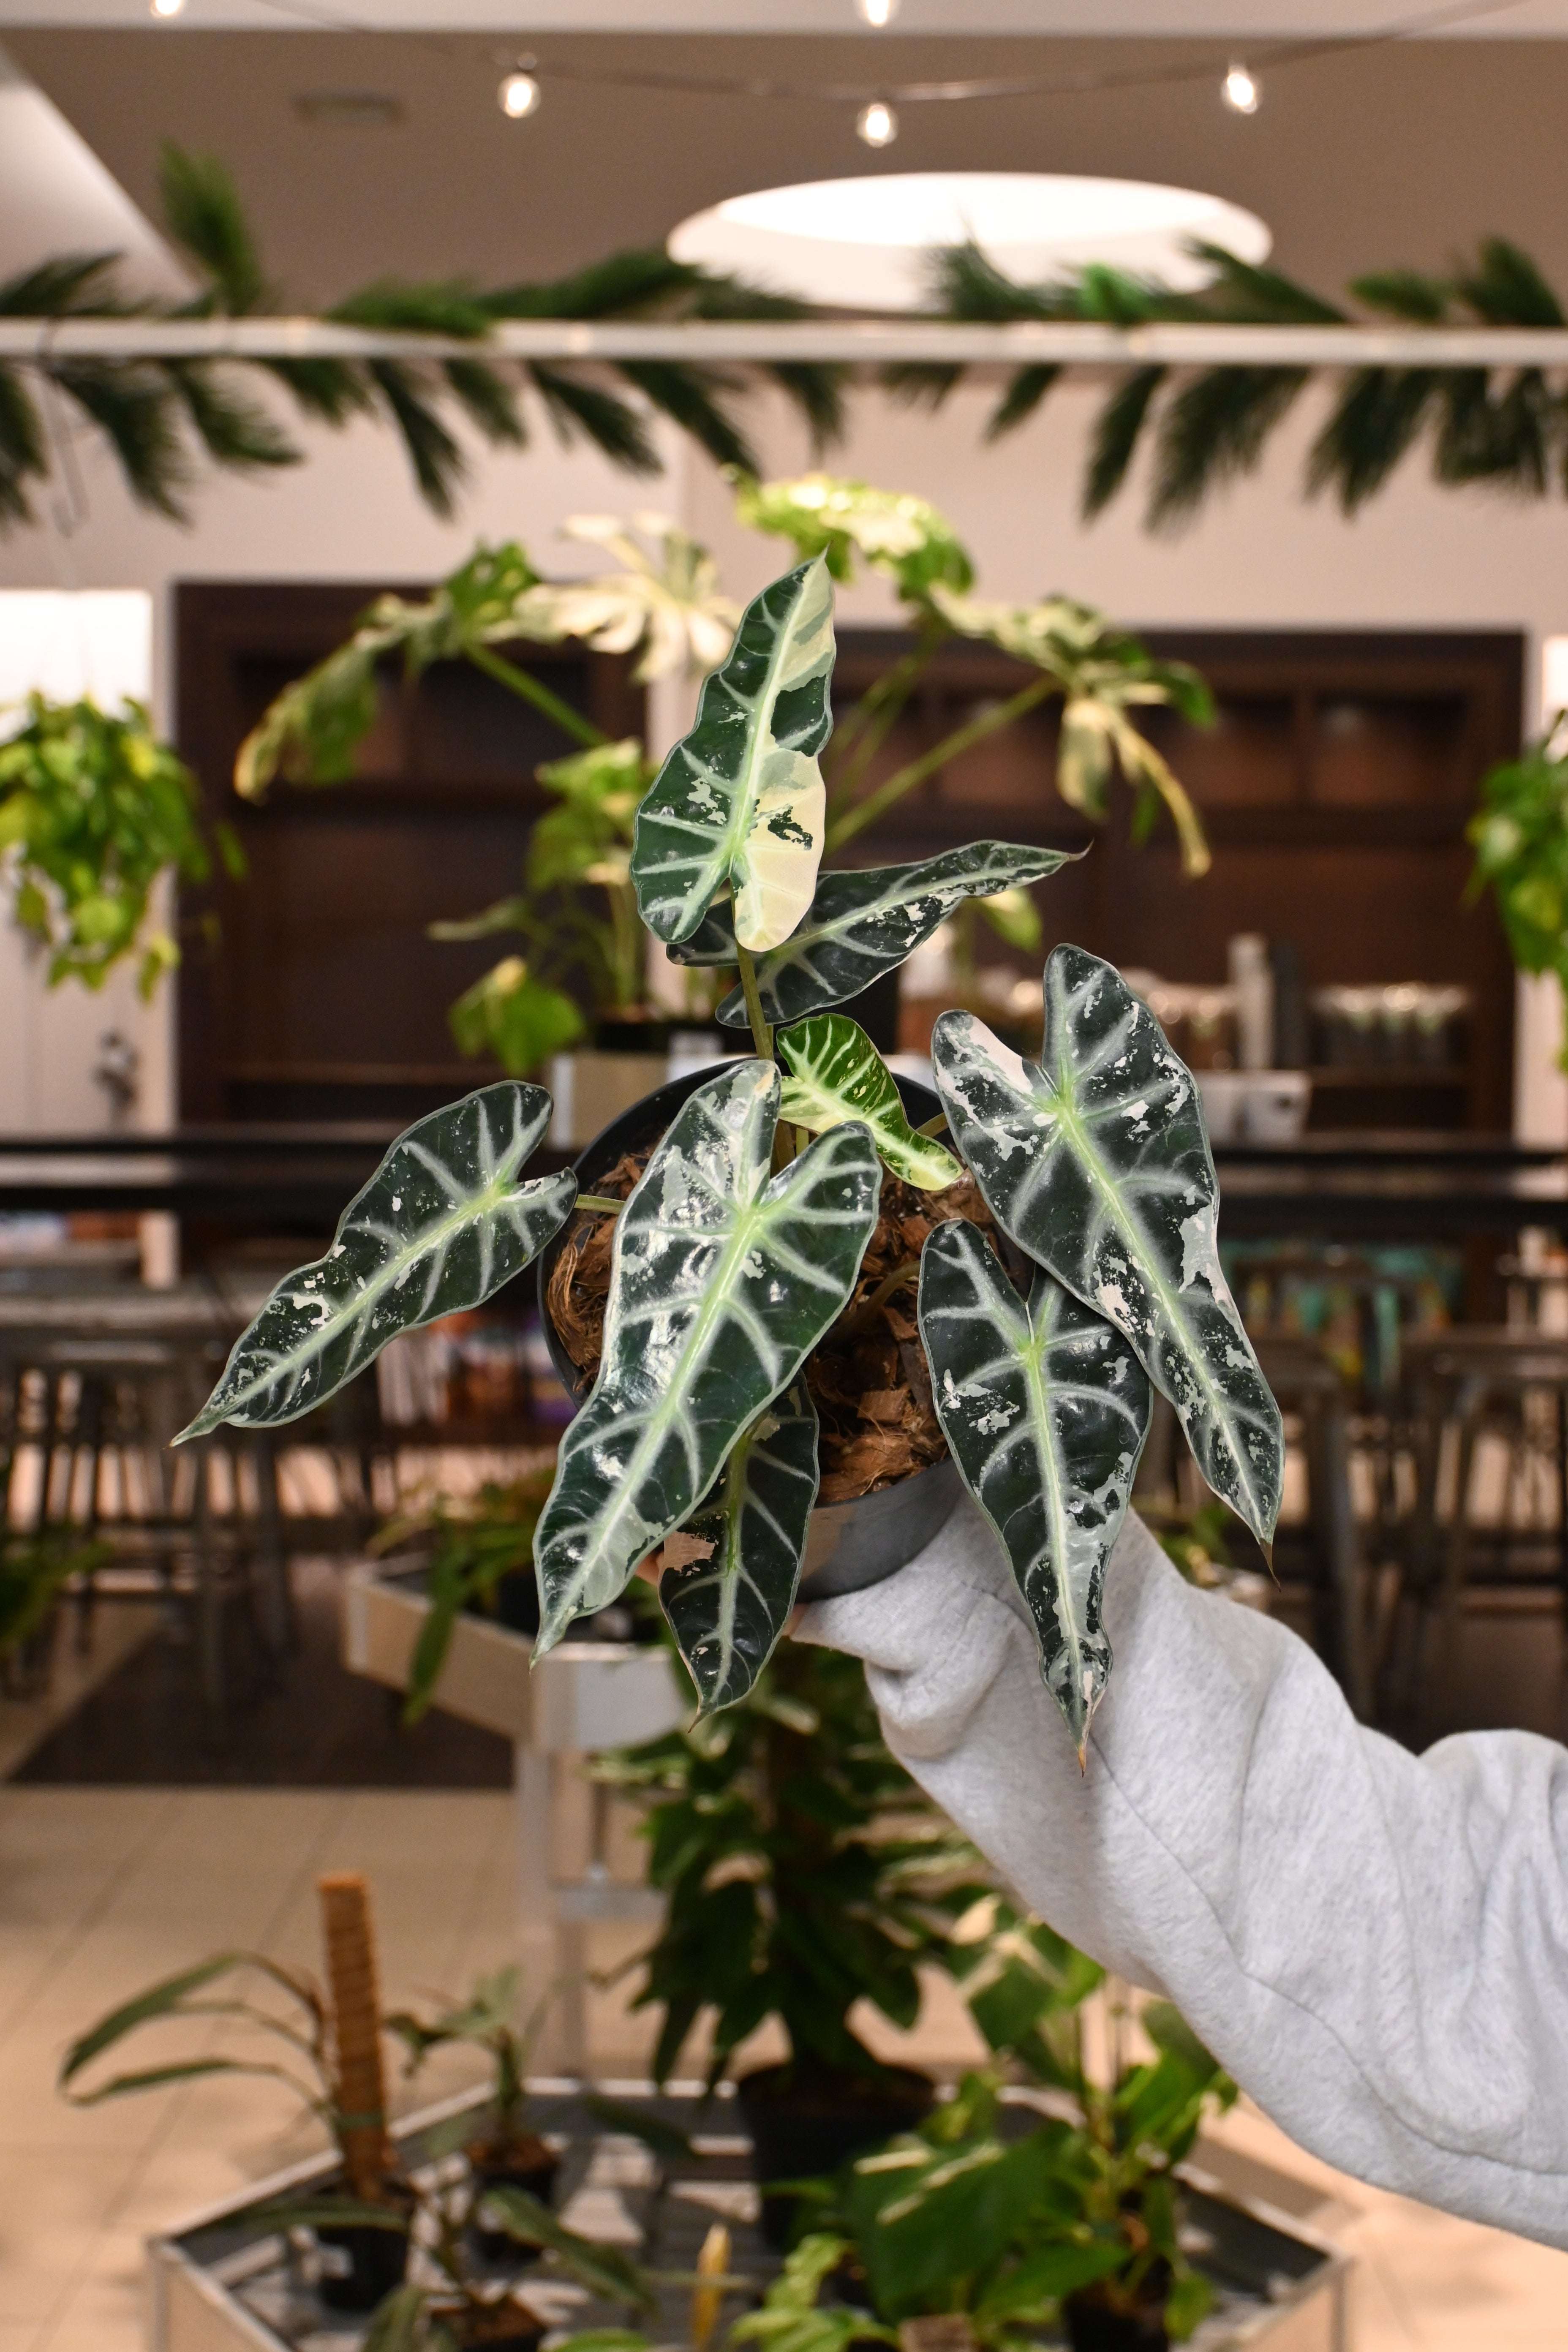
762 1036
861 1319
866 730
600 1203
522 682
963 739
932 1127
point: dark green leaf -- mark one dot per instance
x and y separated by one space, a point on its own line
205 217
722 1283
442 1223
1045 1409
603 2270
1097 1162
727 1610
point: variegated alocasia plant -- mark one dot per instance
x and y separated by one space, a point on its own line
740 1245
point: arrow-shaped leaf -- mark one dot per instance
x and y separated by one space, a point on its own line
740 803
727 1608
865 923
442 1223
837 1074
1097 1162
721 1284
1045 1409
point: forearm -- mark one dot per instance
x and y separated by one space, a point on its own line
1375 1945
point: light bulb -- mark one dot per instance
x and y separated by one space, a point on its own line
519 95
877 124
164 7
877 12
1240 91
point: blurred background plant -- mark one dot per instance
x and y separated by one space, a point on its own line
1519 835
478 1557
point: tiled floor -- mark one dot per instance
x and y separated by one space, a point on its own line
102 1890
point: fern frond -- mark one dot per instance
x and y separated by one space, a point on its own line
575 407
683 394
1378 418
488 401
1214 428
1117 429
135 408
206 218
235 431
438 462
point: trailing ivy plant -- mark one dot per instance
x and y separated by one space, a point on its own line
94 809
1519 835
740 1247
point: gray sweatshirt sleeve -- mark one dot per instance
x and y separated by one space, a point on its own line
1375 1944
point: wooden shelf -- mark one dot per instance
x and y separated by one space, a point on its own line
1337 1074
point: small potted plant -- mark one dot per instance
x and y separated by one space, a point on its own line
508 2154
805 1873
1059 1249
325 2047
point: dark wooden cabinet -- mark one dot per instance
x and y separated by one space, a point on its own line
1334 788
317 994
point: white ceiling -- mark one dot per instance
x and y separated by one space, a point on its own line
1253 20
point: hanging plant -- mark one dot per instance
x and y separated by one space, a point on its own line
94 810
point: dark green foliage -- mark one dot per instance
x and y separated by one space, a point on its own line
202 214
472 1546
804 1871
1519 835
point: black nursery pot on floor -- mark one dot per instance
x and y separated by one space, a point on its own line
534 2175
1094 2325
808 2131
360 2264
850 1544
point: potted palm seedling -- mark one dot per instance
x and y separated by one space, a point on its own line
764 1233
805 1873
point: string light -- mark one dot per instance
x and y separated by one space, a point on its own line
519 95
164 7
877 12
877 124
1239 90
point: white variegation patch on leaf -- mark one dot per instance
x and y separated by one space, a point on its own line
740 803
442 1223
722 1279
1045 1408
863 924
1097 1162
728 1603
837 1074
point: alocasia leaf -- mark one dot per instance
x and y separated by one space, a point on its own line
721 1282
864 923
837 1074
727 1606
739 804
442 1223
1097 1162
1045 1409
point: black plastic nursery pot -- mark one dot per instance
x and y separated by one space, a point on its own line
850 1544
531 2171
504 2327
807 2131
359 2264
1094 2324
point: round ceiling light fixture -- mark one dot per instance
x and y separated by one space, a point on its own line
861 243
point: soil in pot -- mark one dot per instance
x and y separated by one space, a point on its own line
868 1375
360 2264
805 2128
1097 2322
527 2164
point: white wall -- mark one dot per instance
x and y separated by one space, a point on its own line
1259 558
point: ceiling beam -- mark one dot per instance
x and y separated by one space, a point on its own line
869 343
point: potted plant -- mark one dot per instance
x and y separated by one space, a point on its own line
325 2046
805 1872
93 811
1519 835
508 2154
1060 1249
478 1558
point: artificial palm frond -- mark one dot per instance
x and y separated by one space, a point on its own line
202 214
635 279
487 400
575 407
1507 289
1214 428
332 390
23 451
135 406
1020 399
1117 429
438 463
72 285
682 395
1379 415
233 431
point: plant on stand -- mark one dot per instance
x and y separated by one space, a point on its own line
805 1873
1519 835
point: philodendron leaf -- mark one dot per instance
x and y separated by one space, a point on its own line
1045 1409
837 1074
865 923
442 1223
727 1602
739 804
720 1282
1097 1162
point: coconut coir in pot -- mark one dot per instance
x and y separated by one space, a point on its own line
868 1375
